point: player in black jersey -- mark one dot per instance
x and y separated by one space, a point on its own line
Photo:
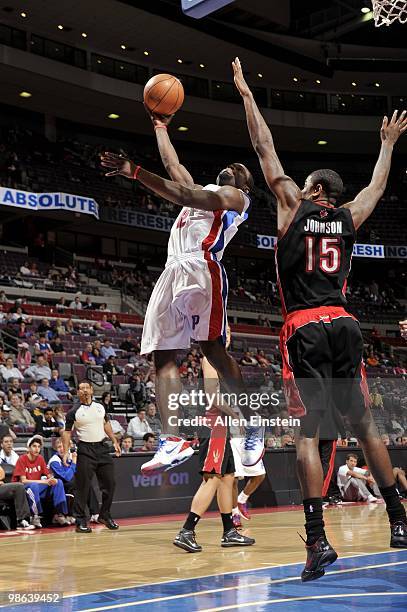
321 343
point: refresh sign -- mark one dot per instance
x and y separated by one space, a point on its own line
202 8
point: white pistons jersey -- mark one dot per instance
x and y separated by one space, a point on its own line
204 233
189 298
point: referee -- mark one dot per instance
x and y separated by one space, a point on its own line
92 425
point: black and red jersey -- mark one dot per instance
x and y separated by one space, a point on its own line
313 258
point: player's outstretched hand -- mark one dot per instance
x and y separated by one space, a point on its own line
118 164
239 79
392 130
158 120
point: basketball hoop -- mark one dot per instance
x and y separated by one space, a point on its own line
385 12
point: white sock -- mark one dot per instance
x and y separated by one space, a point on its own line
235 511
242 499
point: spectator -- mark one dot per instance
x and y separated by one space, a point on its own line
7 453
153 419
29 470
287 441
14 388
137 392
138 425
262 359
115 322
22 333
372 360
66 473
2 357
47 392
107 350
106 402
19 415
116 427
15 492
385 439
128 346
87 356
88 304
23 355
149 443
32 396
5 424
25 269
58 347
58 384
46 425
110 368
44 328
352 481
61 304
248 360
40 370
104 324
43 347
76 304
10 371
97 356
127 445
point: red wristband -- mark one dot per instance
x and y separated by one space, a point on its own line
156 127
136 171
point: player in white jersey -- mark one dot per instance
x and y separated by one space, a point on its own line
189 298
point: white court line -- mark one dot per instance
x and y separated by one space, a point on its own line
116 606
290 599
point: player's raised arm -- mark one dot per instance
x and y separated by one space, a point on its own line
226 198
169 156
284 188
366 201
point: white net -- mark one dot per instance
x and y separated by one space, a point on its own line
385 12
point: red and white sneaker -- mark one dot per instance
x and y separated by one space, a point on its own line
172 451
244 510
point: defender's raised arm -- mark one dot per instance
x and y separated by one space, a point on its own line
284 188
366 201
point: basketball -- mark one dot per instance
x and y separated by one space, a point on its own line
163 94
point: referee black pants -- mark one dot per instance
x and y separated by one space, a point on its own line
93 458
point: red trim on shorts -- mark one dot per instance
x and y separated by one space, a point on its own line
280 289
328 477
216 317
292 323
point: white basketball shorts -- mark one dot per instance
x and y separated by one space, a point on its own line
188 301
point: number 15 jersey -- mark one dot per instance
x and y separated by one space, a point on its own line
313 258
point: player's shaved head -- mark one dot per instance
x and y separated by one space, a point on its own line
322 184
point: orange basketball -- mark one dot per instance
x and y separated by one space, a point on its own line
163 94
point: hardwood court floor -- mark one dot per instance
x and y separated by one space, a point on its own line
143 553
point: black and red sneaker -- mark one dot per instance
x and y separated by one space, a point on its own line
319 555
398 532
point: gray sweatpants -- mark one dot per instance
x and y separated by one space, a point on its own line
15 491
356 490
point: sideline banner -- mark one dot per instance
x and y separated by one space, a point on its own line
48 201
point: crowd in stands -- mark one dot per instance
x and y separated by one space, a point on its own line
28 161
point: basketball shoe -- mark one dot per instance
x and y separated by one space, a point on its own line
172 451
398 535
234 538
185 539
253 446
319 555
244 510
